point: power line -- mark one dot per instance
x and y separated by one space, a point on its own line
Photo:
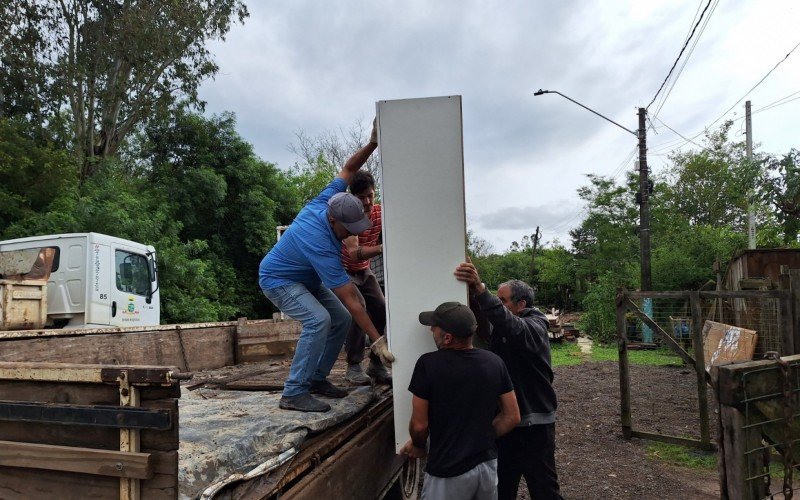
756 85
674 81
665 146
677 143
680 54
676 132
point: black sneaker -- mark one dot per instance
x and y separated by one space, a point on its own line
303 402
325 388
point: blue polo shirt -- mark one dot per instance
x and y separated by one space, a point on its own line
308 252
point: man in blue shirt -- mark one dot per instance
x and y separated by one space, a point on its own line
304 277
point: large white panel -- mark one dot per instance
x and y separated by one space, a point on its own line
424 227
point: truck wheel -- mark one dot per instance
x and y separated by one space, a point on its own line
408 484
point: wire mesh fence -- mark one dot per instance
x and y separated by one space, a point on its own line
758 416
685 322
673 315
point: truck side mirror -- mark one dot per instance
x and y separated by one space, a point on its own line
152 271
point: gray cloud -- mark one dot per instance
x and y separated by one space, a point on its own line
320 66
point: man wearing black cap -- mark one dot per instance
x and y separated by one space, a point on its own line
457 391
304 277
518 334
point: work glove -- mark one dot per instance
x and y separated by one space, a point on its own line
373 137
381 349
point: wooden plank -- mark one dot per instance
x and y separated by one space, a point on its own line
342 475
71 459
794 280
74 393
699 368
23 484
635 295
268 329
313 451
203 348
786 325
95 437
93 415
739 465
762 378
624 369
116 330
257 349
260 325
90 373
422 163
744 294
664 438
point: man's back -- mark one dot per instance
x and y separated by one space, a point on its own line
462 388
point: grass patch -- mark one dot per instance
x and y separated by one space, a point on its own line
565 354
655 357
682 455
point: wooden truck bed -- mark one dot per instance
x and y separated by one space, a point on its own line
101 425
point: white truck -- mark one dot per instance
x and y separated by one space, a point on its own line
94 281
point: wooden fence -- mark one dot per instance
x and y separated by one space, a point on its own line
665 313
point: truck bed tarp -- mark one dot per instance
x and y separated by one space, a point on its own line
226 432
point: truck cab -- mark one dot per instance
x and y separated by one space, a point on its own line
97 280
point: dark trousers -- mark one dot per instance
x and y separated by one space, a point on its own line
373 301
530 452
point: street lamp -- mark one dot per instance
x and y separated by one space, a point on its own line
541 92
644 186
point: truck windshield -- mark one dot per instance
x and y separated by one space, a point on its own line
132 273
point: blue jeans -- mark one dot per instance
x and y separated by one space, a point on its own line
325 324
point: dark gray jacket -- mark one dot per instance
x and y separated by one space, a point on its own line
522 342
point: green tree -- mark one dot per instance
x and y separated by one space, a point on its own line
32 177
711 186
112 65
781 190
224 196
556 275
606 238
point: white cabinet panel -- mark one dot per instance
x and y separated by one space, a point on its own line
424 226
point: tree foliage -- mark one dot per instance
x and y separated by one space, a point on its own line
95 70
781 192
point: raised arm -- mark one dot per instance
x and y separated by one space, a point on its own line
509 417
355 162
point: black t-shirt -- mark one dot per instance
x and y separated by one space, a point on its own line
462 389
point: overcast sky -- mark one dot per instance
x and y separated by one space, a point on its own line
317 66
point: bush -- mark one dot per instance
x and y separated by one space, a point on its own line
599 318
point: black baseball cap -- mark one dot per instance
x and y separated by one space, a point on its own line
452 317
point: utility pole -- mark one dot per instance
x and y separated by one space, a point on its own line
751 211
644 206
644 223
645 187
533 254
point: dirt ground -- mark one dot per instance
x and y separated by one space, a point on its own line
592 458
